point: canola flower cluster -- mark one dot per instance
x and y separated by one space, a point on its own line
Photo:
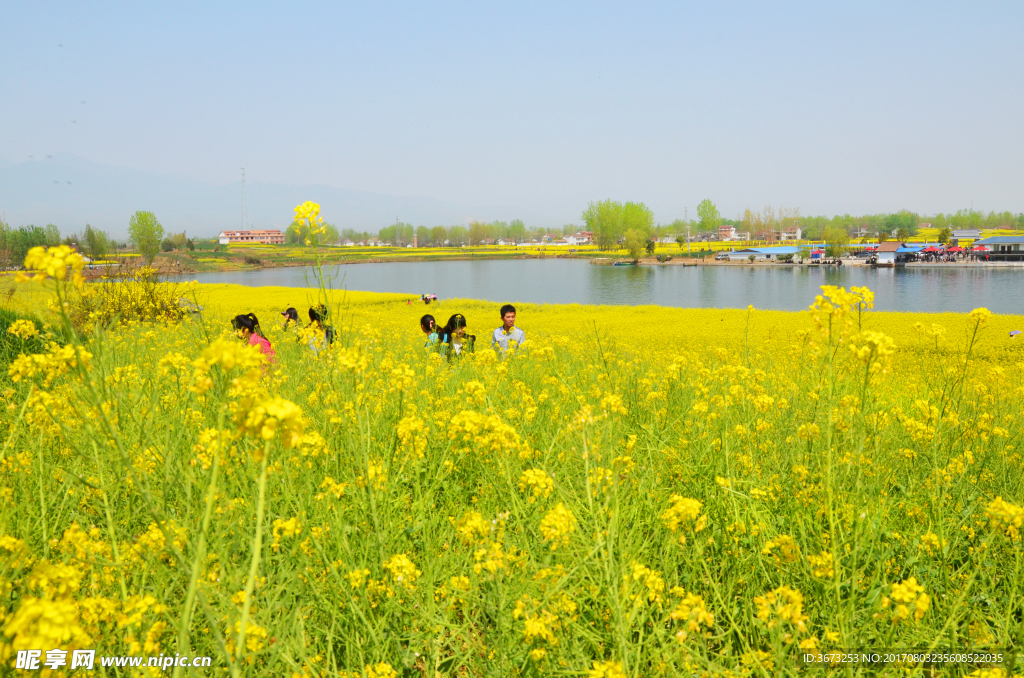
755 486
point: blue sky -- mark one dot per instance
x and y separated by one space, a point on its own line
533 109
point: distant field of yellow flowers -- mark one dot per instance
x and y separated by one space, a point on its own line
635 491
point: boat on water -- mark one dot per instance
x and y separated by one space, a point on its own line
624 263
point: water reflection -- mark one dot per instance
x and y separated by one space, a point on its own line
633 285
566 281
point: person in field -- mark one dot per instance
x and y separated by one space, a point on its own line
247 327
323 334
429 327
291 316
508 334
454 339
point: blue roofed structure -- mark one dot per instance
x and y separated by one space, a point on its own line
1003 244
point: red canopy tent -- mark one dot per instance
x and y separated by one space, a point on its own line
955 249
979 248
931 249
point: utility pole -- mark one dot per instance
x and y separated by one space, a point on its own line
686 218
245 206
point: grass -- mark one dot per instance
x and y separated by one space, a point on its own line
637 491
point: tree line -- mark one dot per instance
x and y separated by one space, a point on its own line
144 233
614 224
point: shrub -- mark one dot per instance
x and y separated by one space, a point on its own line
129 294
253 260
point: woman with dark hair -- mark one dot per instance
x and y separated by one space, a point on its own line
290 316
453 335
429 327
247 327
323 334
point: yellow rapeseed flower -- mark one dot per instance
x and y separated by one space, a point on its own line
23 329
557 525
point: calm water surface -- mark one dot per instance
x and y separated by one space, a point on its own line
567 281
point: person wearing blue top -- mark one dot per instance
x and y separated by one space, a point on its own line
508 332
429 327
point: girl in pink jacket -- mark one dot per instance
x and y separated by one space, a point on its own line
248 328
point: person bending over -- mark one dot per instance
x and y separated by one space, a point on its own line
508 332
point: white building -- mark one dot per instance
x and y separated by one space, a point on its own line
886 254
580 238
966 234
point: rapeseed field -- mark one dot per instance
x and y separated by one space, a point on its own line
634 491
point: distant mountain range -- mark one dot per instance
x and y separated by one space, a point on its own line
71 191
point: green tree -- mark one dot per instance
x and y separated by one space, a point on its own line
604 220
650 245
836 240
944 236
459 235
52 235
477 232
438 235
190 245
178 240
904 219
5 243
422 236
517 230
710 219
967 219
638 217
97 242
145 232
634 242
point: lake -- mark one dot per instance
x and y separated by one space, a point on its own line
567 281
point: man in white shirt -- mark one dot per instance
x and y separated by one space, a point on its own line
508 332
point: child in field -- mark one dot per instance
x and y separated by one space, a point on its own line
323 334
291 316
429 327
247 327
508 332
454 339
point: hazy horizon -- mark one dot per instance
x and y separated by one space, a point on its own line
482 112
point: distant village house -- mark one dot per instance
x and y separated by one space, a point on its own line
271 237
580 238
